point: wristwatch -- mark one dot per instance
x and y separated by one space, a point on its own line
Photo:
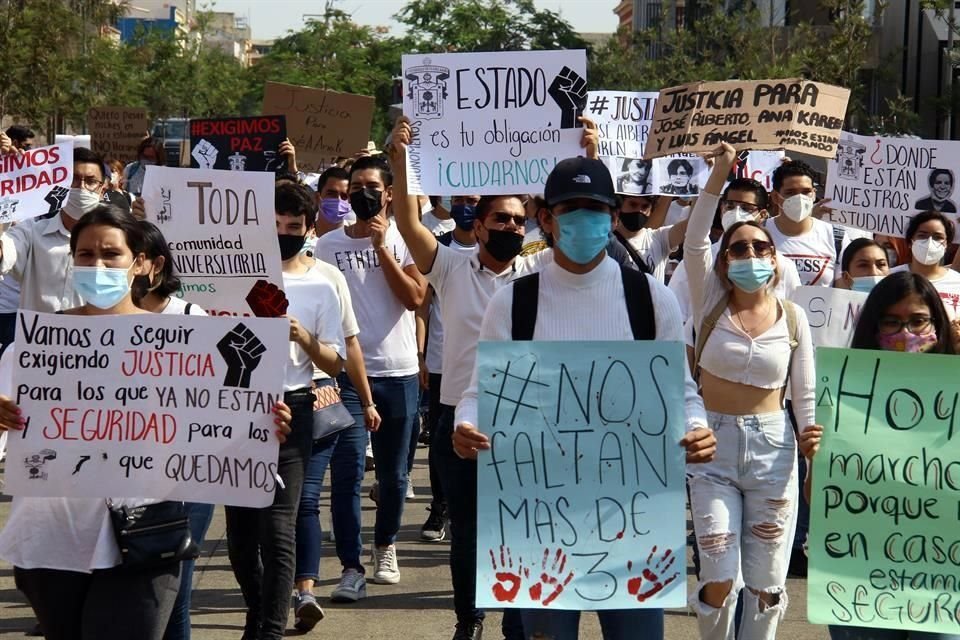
368 405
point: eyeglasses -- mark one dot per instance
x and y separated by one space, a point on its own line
89 183
729 205
917 325
503 219
743 248
926 235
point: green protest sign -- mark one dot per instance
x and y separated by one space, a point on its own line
884 534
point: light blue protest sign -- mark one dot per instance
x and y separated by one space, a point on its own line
580 499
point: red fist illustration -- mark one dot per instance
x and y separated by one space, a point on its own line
267 300
653 575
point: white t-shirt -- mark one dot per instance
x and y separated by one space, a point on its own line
948 286
179 307
653 245
314 303
347 317
813 253
435 225
388 330
434 354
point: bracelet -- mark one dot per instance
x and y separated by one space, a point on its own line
369 405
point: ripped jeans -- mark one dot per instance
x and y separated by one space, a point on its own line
744 504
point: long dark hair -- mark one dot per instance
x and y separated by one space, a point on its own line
108 215
155 246
888 292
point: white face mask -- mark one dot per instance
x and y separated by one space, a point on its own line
799 207
735 215
928 251
80 202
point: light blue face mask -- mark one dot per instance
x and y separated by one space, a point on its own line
751 274
865 284
103 287
584 233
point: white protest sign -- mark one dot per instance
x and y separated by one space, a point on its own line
624 119
877 184
81 140
147 405
35 182
491 123
832 313
221 229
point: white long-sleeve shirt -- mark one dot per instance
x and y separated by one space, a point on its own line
579 307
732 354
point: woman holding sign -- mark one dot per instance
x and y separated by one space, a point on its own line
749 346
64 551
902 313
928 236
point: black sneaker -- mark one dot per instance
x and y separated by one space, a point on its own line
469 631
435 528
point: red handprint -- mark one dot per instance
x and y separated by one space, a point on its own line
653 576
552 579
506 593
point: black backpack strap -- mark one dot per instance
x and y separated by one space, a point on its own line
634 254
526 291
445 238
636 291
186 309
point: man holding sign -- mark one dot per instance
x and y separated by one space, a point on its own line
584 296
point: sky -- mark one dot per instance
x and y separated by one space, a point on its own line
273 18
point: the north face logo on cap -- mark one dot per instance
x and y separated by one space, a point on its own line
582 179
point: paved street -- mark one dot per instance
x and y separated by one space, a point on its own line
419 607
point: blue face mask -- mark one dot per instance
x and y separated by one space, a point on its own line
583 234
103 287
464 215
750 275
865 284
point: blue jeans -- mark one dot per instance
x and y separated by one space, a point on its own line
178 627
615 624
838 632
397 402
343 452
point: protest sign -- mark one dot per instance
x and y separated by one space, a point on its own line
81 140
238 144
35 182
878 184
117 131
147 406
623 120
222 231
794 114
323 125
580 499
492 123
831 313
884 541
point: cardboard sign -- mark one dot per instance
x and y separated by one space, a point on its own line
238 144
795 114
831 313
581 497
147 406
492 123
884 540
624 119
221 229
35 182
323 125
878 184
116 132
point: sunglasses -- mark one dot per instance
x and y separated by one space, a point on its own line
505 219
743 248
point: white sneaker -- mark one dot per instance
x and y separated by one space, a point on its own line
385 561
410 494
352 587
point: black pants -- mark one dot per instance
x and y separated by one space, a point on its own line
108 603
261 543
433 418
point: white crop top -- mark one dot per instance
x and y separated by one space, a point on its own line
730 353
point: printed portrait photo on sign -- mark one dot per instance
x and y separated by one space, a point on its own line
635 176
941 188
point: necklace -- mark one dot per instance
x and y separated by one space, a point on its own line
749 332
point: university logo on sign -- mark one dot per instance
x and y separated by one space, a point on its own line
428 89
849 159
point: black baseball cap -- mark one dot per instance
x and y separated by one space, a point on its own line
580 178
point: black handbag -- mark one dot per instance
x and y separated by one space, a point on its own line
152 535
329 413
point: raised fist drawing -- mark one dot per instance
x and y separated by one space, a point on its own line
56 197
205 154
569 91
267 300
242 350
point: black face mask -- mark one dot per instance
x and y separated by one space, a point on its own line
290 245
633 221
503 245
366 203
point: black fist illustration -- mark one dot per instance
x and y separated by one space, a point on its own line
569 91
242 351
56 197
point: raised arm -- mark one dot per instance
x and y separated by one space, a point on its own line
420 242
